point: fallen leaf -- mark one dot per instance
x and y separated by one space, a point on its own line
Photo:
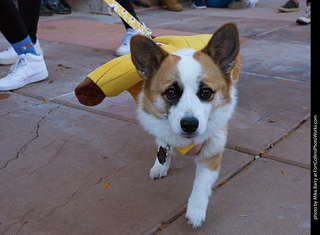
63 66
305 107
46 100
283 173
106 185
271 120
242 215
262 152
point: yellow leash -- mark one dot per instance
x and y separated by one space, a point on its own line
128 18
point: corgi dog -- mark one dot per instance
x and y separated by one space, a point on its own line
186 99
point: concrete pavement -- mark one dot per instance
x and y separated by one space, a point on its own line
71 169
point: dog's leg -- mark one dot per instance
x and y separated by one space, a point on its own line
158 170
207 173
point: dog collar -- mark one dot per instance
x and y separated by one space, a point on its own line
191 150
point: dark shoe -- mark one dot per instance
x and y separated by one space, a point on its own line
290 6
198 4
140 3
44 11
57 8
65 5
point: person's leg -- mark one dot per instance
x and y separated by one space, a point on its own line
30 11
11 24
124 48
13 28
127 4
29 67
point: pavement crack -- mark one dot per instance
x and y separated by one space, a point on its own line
277 141
66 202
22 221
101 178
25 146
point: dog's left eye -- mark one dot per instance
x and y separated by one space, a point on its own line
171 94
205 93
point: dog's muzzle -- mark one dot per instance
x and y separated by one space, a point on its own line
189 125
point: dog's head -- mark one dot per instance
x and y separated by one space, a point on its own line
191 92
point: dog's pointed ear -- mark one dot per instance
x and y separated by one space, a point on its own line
146 55
224 46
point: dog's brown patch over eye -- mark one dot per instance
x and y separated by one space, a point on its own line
212 80
173 93
162 90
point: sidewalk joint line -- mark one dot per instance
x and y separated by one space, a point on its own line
83 108
273 30
275 77
60 96
280 139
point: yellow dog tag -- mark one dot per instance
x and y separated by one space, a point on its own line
184 150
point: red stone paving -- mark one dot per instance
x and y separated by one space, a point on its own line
71 169
91 33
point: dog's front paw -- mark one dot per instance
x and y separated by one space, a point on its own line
196 210
158 171
196 216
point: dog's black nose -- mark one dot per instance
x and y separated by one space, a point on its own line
189 124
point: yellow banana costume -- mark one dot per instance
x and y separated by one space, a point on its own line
119 74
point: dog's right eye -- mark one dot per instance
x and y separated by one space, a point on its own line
171 94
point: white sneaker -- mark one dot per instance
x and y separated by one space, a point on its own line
124 49
306 18
9 56
29 68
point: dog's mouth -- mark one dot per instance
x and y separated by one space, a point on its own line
188 135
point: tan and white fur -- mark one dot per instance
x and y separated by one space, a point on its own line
187 98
